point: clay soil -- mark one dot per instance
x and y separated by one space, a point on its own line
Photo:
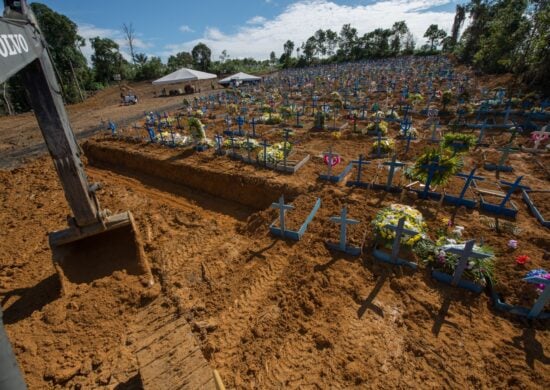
268 313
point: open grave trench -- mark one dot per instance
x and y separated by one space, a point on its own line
273 313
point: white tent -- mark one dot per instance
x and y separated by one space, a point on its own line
182 75
240 77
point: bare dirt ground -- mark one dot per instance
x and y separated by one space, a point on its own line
20 137
268 313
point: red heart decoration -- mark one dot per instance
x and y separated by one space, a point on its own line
334 161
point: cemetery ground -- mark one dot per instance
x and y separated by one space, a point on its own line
270 312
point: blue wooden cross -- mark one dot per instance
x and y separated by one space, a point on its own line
542 299
240 123
379 143
265 145
219 142
393 258
298 115
406 111
406 124
513 187
151 132
433 168
282 210
253 124
506 151
360 163
344 222
393 164
481 133
471 176
232 139
409 139
112 127
465 254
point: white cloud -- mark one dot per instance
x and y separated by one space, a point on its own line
256 20
185 28
87 31
301 19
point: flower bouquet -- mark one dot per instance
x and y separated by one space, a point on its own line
391 216
419 171
386 146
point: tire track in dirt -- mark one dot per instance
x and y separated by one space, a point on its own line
238 319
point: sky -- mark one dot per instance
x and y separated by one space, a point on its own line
244 28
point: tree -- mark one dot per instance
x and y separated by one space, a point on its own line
505 34
410 44
151 69
107 60
180 60
288 48
140 59
320 39
201 56
130 36
64 43
460 15
332 41
398 30
272 58
434 35
347 40
224 56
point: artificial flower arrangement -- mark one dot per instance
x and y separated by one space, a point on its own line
336 100
275 153
392 114
196 128
419 171
416 98
436 254
541 273
460 142
271 119
391 216
382 127
232 109
386 146
412 131
378 115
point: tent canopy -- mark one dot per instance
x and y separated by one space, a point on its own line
240 77
182 75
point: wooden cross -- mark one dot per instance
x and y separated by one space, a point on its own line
344 222
513 186
265 145
282 210
481 133
399 232
393 164
253 124
379 143
465 254
542 299
433 168
219 140
360 163
469 179
506 151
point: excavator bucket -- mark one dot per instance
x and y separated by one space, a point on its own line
82 255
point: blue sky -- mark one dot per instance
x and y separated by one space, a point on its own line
245 28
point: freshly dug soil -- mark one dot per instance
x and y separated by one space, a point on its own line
278 313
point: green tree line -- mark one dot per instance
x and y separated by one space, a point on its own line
502 36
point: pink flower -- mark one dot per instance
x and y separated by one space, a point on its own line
512 244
